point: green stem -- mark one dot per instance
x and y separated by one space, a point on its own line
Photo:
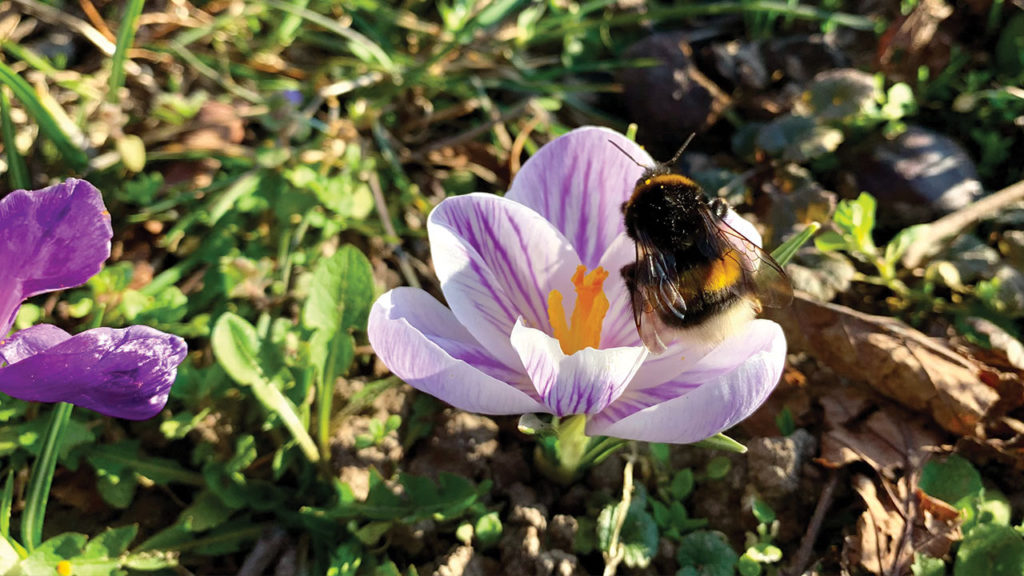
42 477
573 451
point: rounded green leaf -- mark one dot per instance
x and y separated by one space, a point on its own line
991 550
706 553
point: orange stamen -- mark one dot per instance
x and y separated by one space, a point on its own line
584 327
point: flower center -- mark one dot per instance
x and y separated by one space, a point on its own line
584 328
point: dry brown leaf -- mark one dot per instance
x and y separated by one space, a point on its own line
218 125
916 40
893 527
886 440
894 359
938 508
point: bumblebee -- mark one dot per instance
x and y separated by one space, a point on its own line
695 277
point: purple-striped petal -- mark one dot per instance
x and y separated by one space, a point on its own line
498 260
50 239
125 373
704 400
578 182
743 226
581 383
619 327
422 343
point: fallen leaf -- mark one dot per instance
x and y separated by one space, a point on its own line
886 440
893 527
895 360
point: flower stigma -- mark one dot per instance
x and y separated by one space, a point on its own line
584 328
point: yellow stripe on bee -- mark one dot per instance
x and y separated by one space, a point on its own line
723 273
670 180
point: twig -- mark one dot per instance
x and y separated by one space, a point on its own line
55 16
519 143
508 115
955 222
616 551
803 554
266 550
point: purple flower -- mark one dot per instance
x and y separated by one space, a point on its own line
57 238
510 267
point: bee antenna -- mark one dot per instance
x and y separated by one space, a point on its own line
681 149
621 149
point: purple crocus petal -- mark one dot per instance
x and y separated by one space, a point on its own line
125 373
584 382
743 226
619 327
421 341
578 182
30 341
498 260
702 401
50 239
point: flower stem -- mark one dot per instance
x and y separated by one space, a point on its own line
616 551
572 452
41 479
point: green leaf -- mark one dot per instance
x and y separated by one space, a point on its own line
747 566
784 421
639 534
706 553
371 533
112 542
341 292
488 529
785 252
991 550
718 467
236 346
899 101
721 442
899 244
988 507
927 566
764 553
763 512
346 559
659 451
950 480
830 241
207 511
856 220
682 484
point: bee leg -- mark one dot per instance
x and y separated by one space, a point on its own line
719 207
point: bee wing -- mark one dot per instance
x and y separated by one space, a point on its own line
761 273
654 293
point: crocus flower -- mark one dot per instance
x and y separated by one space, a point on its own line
511 267
57 238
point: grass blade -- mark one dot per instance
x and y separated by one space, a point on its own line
18 173
72 154
125 39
